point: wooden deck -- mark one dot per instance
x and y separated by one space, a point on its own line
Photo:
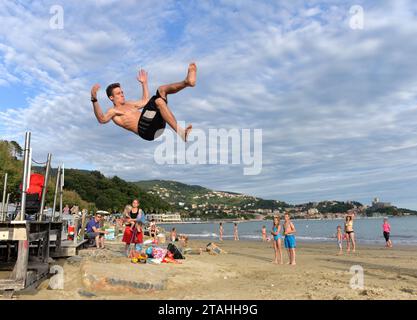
24 251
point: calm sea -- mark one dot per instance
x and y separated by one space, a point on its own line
403 230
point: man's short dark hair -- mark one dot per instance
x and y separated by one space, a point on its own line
110 87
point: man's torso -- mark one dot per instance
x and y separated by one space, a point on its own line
130 119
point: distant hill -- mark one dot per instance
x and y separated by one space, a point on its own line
92 190
181 196
110 193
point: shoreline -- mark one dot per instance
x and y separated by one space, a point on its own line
268 220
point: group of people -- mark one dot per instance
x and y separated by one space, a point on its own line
235 232
349 235
285 232
70 210
134 219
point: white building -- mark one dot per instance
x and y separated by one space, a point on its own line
165 217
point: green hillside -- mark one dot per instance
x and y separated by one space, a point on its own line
86 189
110 193
181 195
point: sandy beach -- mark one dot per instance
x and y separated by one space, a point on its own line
245 272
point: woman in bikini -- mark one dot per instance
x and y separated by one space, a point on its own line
350 234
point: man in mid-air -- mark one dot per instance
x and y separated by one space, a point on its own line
150 123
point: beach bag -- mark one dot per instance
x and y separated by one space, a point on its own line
149 252
176 253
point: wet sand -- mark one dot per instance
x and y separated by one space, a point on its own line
247 272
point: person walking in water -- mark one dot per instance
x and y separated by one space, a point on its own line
386 228
235 232
221 231
264 233
150 123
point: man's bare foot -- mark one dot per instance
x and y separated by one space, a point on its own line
191 75
187 131
184 133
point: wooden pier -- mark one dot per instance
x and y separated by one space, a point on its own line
24 248
28 242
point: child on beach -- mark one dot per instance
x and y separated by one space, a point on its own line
235 232
263 233
221 231
137 239
174 235
152 229
339 237
289 239
276 232
386 228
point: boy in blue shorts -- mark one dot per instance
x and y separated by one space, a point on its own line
289 240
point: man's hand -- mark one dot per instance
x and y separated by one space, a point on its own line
142 76
94 90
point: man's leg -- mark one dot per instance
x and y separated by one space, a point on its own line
178 86
169 117
98 241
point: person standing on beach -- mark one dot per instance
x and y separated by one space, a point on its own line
235 232
263 233
339 237
386 228
350 233
277 234
131 216
66 210
173 235
289 240
221 231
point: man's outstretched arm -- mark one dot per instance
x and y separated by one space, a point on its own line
101 117
142 77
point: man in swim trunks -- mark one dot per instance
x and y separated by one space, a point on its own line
289 240
155 114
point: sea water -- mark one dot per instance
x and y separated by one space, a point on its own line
367 230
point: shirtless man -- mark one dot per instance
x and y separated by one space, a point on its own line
150 123
289 240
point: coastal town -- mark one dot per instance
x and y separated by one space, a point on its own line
229 205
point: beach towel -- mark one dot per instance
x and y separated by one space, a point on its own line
159 253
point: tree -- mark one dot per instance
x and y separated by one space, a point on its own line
17 149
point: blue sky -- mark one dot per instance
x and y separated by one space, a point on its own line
337 106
